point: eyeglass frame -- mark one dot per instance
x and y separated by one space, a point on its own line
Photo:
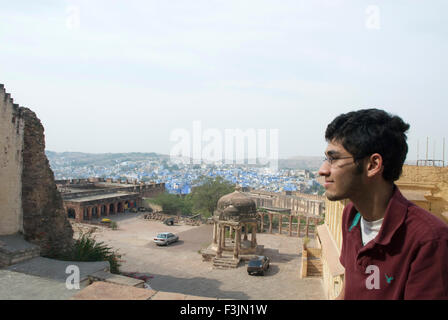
331 160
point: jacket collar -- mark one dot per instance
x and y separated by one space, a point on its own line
394 217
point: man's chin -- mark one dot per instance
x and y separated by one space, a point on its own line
334 197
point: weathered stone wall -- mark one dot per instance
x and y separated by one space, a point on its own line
29 200
44 219
11 143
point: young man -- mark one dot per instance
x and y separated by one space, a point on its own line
391 248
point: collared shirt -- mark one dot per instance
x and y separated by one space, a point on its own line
408 259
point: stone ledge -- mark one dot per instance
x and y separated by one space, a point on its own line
100 290
116 279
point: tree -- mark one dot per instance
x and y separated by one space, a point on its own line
173 204
205 197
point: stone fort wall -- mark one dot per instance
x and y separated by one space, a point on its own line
30 203
11 144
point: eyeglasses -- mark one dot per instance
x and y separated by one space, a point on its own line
331 160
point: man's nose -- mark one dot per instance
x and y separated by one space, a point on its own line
324 169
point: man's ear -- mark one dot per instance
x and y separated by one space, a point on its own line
374 165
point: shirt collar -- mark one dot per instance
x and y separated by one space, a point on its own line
393 218
396 211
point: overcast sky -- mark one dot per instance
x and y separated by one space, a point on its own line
120 76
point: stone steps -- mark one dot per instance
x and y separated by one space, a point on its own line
14 249
314 268
225 263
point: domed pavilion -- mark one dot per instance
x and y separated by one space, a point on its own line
234 216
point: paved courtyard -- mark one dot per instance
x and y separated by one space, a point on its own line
179 267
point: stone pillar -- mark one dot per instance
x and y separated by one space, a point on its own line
219 250
236 248
79 214
107 209
270 222
307 226
214 232
238 239
98 209
253 242
290 225
298 226
223 237
280 223
89 213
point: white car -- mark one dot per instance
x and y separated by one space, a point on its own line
165 238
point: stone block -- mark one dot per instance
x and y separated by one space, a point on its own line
116 279
100 290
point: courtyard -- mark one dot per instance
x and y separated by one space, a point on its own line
179 266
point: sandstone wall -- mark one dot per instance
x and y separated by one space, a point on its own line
421 177
11 144
29 200
44 220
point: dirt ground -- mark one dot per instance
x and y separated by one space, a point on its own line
179 266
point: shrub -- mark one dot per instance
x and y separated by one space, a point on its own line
86 248
114 225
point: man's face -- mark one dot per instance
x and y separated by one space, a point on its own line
342 177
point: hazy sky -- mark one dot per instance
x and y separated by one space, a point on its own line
120 76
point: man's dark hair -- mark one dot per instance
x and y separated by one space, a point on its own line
369 131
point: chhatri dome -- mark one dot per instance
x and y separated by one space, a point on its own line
235 214
235 206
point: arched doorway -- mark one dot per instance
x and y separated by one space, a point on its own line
120 207
71 213
85 214
103 210
112 208
95 213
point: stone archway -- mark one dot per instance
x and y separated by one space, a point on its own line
71 213
95 213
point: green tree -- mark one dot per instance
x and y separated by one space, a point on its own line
173 204
205 197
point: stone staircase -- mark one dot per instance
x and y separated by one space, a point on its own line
225 263
14 249
314 267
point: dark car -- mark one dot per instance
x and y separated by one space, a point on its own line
258 265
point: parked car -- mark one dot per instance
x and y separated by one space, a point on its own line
165 238
258 265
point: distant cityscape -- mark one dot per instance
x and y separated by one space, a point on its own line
299 175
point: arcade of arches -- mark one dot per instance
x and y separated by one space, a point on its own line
87 209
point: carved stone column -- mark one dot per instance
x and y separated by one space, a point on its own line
219 251
236 249
253 242
290 225
214 232
280 223
270 222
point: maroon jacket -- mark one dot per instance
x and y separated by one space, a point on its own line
408 259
